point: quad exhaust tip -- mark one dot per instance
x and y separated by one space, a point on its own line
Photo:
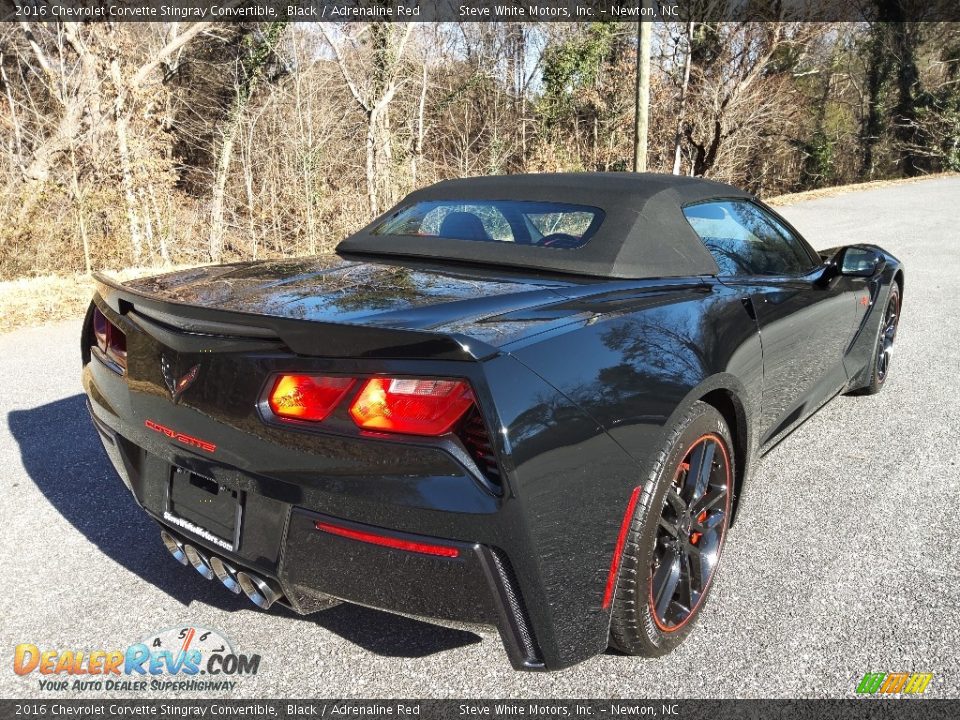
227 574
199 561
175 547
262 593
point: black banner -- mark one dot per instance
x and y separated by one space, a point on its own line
912 709
479 10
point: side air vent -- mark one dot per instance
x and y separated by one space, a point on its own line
475 438
514 624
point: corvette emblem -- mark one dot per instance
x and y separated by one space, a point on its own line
175 385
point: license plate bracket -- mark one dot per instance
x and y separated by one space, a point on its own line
204 507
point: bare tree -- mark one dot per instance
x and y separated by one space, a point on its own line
725 86
250 71
144 143
416 159
684 85
87 63
373 98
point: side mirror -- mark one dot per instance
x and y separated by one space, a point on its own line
861 262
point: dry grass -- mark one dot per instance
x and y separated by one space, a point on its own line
49 298
39 300
791 198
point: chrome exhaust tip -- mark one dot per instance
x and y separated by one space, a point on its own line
226 574
260 592
199 561
175 547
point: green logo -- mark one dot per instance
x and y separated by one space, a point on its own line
894 683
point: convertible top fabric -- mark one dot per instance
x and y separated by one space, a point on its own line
644 234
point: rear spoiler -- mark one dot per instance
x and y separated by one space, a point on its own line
184 324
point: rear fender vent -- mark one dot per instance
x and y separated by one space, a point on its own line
514 624
475 438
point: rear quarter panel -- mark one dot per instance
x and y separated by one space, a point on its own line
622 378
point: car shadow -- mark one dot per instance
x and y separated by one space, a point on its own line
64 458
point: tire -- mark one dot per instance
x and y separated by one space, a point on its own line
886 334
640 625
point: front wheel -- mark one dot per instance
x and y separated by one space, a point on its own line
675 537
883 353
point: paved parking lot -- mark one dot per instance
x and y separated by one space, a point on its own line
844 559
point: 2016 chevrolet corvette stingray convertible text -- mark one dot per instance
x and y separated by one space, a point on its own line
530 402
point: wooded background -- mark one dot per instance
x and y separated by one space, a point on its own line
148 144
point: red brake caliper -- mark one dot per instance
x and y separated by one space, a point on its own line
695 536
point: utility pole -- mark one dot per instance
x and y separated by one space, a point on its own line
644 33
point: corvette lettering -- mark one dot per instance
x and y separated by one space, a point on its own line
181 437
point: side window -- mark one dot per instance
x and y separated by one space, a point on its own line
745 240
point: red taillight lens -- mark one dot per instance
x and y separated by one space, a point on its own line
109 338
416 406
307 397
117 346
101 326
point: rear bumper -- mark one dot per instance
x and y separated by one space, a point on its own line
279 539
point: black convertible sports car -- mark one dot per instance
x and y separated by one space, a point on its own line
530 402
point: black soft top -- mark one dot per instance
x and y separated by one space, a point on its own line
644 234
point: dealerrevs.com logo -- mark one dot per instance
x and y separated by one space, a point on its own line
177 659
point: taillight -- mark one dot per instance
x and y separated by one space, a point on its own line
100 328
416 406
110 339
307 397
117 347
412 406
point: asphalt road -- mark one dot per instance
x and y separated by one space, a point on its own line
844 559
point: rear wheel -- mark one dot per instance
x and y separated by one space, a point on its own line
675 537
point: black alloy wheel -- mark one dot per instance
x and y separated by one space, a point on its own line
879 367
888 333
673 536
690 535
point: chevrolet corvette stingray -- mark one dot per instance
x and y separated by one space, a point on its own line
531 402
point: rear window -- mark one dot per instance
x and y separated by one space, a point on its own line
543 224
